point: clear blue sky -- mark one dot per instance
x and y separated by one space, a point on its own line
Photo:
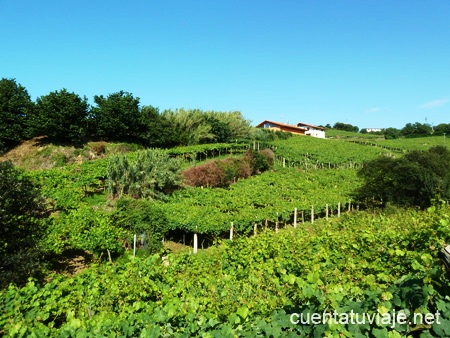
371 63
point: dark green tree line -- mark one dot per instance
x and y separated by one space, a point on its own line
416 179
61 116
15 109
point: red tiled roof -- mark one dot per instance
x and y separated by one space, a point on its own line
309 125
280 124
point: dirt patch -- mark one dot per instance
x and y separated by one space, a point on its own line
175 247
72 262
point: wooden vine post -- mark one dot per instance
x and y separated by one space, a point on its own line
255 229
312 215
326 212
195 241
295 217
231 231
339 209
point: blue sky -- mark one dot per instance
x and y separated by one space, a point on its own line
371 63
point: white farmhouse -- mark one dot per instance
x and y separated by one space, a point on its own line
311 130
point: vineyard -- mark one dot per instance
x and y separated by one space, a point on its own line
325 153
269 197
367 261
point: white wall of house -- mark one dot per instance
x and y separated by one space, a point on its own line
315 133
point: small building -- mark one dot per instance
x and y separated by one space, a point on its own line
374 130
278 126
311 130
299 129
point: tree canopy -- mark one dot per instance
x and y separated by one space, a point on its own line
15 107
416 179
61 116
116 117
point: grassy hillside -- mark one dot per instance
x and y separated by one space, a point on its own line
39 153
369 262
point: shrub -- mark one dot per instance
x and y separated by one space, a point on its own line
223 173
258 161
269 155
21 225
209 174
152 174
415 179
144 218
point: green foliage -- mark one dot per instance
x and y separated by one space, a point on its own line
157 130
365 263
142 217
221 131
67 188
61 116
116 117
416 130
271 196
233 121
15 108
442 128
415 179
21 226
194 126
151 174
85 229
345 126
391 133
190 126
311 152
259 161
268 135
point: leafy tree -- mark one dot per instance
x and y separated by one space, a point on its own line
442 128
144 218
221 131
190 126
15 107
239 127
259 161
21 228
416 130
116 117
61 116
415 179
391 133
156 130
345 127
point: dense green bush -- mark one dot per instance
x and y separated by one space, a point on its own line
85 229
415 179
21 225
144 218
151 174
60 115
115 117
15 108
